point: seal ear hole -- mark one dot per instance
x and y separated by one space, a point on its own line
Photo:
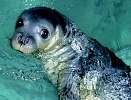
19 23
44 33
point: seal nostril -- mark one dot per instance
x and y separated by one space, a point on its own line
19 38
26 41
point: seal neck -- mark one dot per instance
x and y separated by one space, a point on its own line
55 61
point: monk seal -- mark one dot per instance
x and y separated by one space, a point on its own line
79 66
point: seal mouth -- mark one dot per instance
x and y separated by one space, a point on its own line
24 46
26 50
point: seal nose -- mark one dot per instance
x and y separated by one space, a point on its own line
22 40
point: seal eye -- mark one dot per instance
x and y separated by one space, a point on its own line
44 33
19 23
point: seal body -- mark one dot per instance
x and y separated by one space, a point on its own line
79 66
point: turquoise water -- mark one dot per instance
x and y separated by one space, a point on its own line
21 76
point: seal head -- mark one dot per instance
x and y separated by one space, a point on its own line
37 29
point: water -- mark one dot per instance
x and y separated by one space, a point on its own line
21 76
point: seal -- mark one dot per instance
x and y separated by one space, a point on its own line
79 66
